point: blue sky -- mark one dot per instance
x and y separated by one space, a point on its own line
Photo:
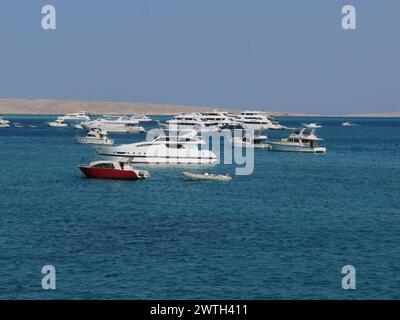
256 54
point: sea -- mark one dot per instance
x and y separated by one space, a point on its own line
283 232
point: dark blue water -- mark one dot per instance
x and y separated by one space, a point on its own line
283 232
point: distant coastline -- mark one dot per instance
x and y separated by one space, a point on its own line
56 107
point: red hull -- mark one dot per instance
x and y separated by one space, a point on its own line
108 173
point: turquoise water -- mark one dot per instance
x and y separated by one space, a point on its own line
283 232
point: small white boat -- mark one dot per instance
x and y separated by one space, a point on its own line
95 136
4 123
143 118
349 124
74 117
18 125
312 125
78 126
251 142
299 141
57 123
207 176
32 126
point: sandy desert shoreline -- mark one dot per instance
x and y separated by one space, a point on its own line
57 107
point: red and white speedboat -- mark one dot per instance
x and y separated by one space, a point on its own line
113 170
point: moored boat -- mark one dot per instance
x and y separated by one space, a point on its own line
256 141
75 117
174 148
57 123
104 169
143 118
207 176
95 136
112 124
312 125
192 121
299 141
4 123
257 120
349 124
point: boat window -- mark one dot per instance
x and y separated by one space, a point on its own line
144 145
255 122
104 165
174 146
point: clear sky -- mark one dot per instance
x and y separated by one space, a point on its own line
281 55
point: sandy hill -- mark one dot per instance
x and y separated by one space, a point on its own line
21 106
47 106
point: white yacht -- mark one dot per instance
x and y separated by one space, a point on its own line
95 136
79 116
312 125
4 123
171 149
349 124
299 141
143 118
257 141
114 124
256 120
207 176
57 123
217 117
192 121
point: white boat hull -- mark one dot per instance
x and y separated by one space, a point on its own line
212 177
55 125
115 128
190 127
88 140
250 145
157 154
289 147
161 160
256 127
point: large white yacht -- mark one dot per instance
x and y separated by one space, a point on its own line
4 123
79 116
143 118
192 121
299 141
114 124
220 118
256 120
171 149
